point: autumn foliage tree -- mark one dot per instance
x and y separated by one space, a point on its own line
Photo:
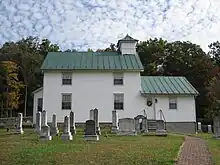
11 87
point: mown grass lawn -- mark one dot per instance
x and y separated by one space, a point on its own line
27 149
213 145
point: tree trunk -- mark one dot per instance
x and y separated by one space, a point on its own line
25 102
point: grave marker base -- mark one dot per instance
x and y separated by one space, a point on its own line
91 137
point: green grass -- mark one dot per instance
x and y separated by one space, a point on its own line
124 150
213 144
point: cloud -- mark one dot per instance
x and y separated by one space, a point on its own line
83 24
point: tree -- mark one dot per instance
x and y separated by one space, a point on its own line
70 50
46 46
90 50
28 53
152 53
214 94
215 52
111 48
10 86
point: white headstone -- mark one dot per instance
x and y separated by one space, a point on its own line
38 122
127 127
19 128
66 132
45 129
44 118
115 127
199 127
54 129
209 128
96 118
72 123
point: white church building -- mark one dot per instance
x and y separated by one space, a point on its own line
81 81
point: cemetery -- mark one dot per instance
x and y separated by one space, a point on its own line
127 141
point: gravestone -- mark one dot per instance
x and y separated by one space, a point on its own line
199 127
96 119
114 122
209 128
141 124
216 127
72 123
66 132
91 114
19 128
161 128
38 122
90 131
127 127
54 129
45 129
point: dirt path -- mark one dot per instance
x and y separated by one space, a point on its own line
194 152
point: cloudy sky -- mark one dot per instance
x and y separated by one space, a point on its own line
83 24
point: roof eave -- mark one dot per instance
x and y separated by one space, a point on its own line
37 90
53 69
183 94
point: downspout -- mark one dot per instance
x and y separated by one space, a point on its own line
154 108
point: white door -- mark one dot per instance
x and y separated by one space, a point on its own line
150 108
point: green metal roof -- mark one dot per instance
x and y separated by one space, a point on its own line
91 61
166 85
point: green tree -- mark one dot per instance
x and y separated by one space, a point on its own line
70 50
214 52
111 48
46 46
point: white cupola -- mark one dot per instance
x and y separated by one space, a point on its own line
127 45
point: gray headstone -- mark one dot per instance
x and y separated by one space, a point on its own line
45 133
209 128
90 131
54 129
38 122
72 123
96 119
127 127
45 129
161 128
141 124
216 127
91 114
66 133
44 118
19 128
115 127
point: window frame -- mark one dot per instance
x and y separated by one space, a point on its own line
62 106
117 77
38 104
173 105
69 74
120 101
